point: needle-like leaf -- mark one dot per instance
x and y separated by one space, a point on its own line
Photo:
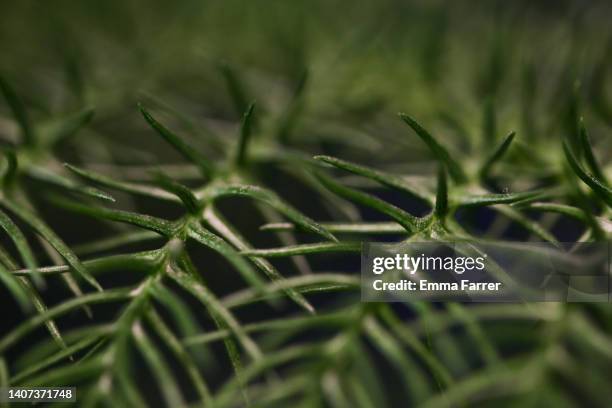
344 228
182 147
245 135
19 111
274 201
414 378
165 380
387 179
68 374
493 199
180 312
127 187
288 354
177 348
141 220
56 242
35 298
27 326
412 340
318 282
497 154
56 357
290 115
235 87
587 150
527 223
596 185
292 250
438 150
116 241
293 324
135 261
217 244
41 174
556 208
224 316
406 220
22 246
188 199
13 285
217 221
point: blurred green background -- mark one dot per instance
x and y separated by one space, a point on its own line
366 61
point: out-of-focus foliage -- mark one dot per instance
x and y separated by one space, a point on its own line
186 185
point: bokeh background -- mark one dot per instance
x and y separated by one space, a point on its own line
328 77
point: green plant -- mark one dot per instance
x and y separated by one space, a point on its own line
193 306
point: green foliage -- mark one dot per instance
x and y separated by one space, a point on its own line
186 258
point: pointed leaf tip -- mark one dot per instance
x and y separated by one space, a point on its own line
245 134
235 87
187 151
587 150
497 155
595 184
438 150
